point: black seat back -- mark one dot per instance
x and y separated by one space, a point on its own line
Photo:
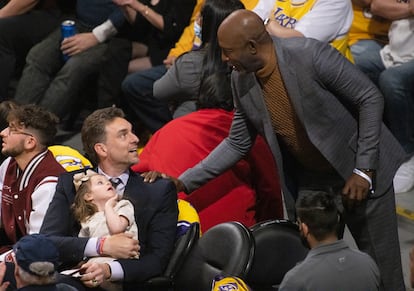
278 249
226 248
182 248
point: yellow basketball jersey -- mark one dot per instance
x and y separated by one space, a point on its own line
287 13
367 26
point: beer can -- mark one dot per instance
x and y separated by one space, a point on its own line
68 29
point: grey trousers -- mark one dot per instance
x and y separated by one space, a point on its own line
52 83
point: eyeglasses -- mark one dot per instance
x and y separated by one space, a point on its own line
13 130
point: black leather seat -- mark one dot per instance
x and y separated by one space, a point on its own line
226 248
182 248
278 249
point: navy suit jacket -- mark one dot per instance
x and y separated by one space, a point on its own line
156 215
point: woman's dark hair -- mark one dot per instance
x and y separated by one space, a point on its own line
215 92
213 13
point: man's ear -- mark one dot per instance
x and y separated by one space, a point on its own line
100 149
252 46
305 229
30 143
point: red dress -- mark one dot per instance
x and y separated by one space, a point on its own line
249 192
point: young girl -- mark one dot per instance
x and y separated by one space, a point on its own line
98 208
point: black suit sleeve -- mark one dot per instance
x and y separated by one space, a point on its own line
60 225
156 214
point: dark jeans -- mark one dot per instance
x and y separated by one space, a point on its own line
17 35
52 83
139 102
396 84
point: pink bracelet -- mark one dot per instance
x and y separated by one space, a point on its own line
99 245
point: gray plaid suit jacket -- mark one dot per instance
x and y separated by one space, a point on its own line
340 108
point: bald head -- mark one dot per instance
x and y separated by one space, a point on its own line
244 40
243 25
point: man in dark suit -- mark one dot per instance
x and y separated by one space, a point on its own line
322 120
109 142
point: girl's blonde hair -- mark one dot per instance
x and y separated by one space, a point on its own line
81 208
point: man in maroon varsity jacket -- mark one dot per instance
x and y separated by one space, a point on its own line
28 177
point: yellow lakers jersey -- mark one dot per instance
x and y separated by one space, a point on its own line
367 26
288 13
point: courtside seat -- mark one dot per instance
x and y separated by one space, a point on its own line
183 246
226 249
278 249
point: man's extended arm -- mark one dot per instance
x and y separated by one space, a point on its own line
224 156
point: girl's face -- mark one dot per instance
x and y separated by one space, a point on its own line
101 190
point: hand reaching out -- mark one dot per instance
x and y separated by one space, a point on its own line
151 176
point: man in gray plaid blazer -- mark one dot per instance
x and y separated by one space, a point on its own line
322 119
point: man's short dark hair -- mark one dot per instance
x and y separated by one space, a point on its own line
93 129
317 209
34 117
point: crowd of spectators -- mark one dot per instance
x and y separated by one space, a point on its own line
239 137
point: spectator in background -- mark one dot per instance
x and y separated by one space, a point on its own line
68 157
29 176
140 103
368 32
5 108
22 25
325 20
392 69
330 264
35 263
156 26
53 83
180 86
248 192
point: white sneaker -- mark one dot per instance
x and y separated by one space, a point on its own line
404 178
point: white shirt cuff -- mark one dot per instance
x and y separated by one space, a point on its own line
104 31
117 273
90 248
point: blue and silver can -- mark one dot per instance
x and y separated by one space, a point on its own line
68 29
